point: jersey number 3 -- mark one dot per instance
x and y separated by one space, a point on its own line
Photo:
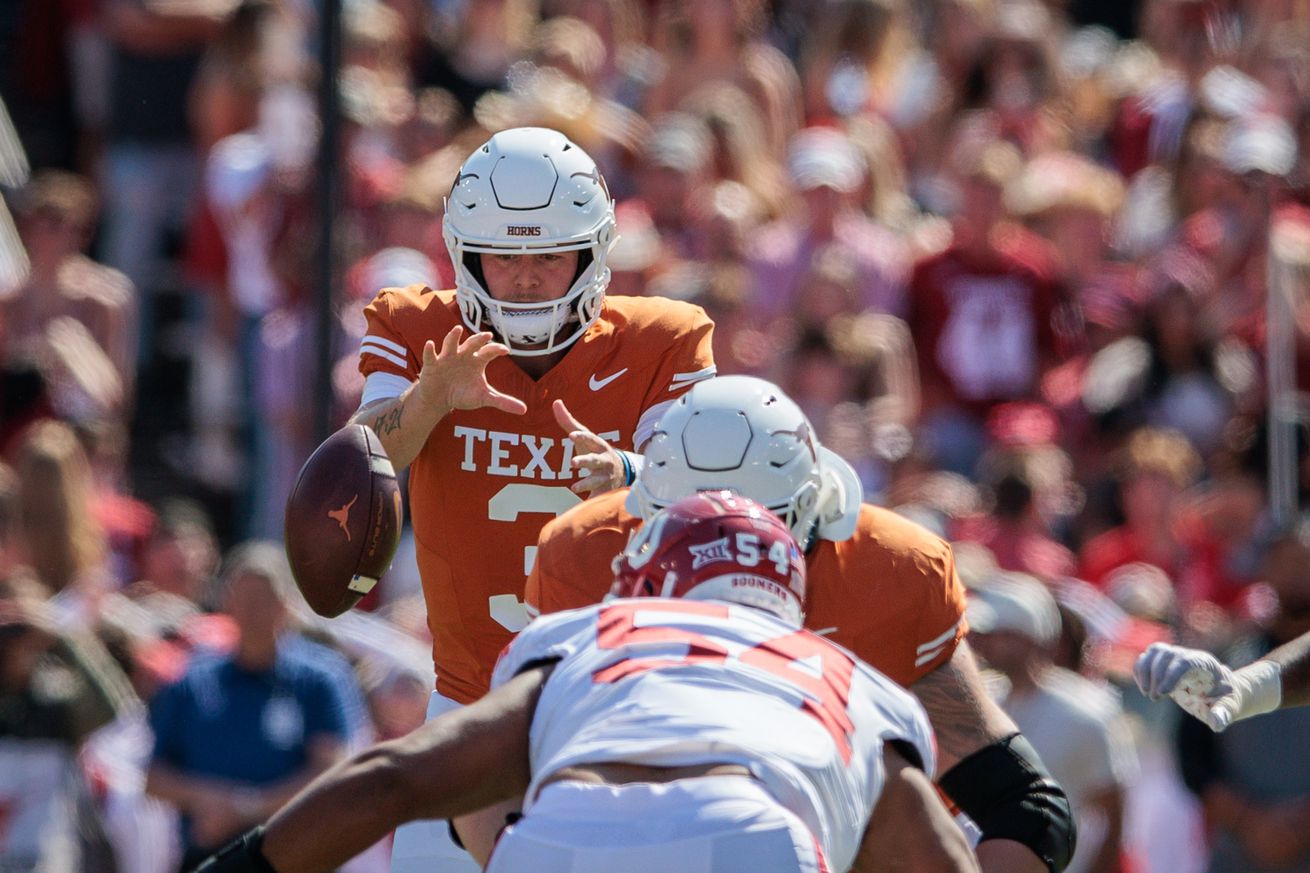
506 505
821 671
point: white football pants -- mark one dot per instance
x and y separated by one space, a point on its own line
710 824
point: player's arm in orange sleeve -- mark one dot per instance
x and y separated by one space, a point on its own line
452 378
573 567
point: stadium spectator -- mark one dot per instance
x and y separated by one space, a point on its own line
740 152
239 734
673 182
1072 202
230 79
1029 490
628 59
981 310
723 41
1076 726
1014 76
1159 527
853 61
9 518
828 171
475 47
73 314
181 554
56 688
151 170
59 537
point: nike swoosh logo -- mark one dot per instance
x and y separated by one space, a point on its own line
597 384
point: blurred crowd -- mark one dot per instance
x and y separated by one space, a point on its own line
1038 269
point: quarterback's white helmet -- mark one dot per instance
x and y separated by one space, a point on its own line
744 434
530 190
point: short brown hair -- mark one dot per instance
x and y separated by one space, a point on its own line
1162 451
59 192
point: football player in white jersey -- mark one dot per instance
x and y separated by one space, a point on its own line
687 723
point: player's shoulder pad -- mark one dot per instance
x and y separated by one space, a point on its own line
418 298
656 315
889 530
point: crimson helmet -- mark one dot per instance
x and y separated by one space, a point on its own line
715 545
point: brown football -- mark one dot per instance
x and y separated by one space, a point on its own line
343 520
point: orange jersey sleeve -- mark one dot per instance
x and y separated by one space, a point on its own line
486 481
890 594
392 316
574 554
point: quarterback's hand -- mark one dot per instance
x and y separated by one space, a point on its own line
1205 688
456 377
597 461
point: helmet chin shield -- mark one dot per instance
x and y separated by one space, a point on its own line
530 191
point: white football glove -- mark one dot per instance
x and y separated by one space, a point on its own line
1205 688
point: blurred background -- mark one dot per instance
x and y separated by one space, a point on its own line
1037 268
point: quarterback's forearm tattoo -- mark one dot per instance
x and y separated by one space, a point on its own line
389 422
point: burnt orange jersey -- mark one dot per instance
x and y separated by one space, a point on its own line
890 593
486 480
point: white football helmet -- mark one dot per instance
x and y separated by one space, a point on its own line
744 434
530 190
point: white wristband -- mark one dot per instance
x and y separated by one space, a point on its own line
1260 688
